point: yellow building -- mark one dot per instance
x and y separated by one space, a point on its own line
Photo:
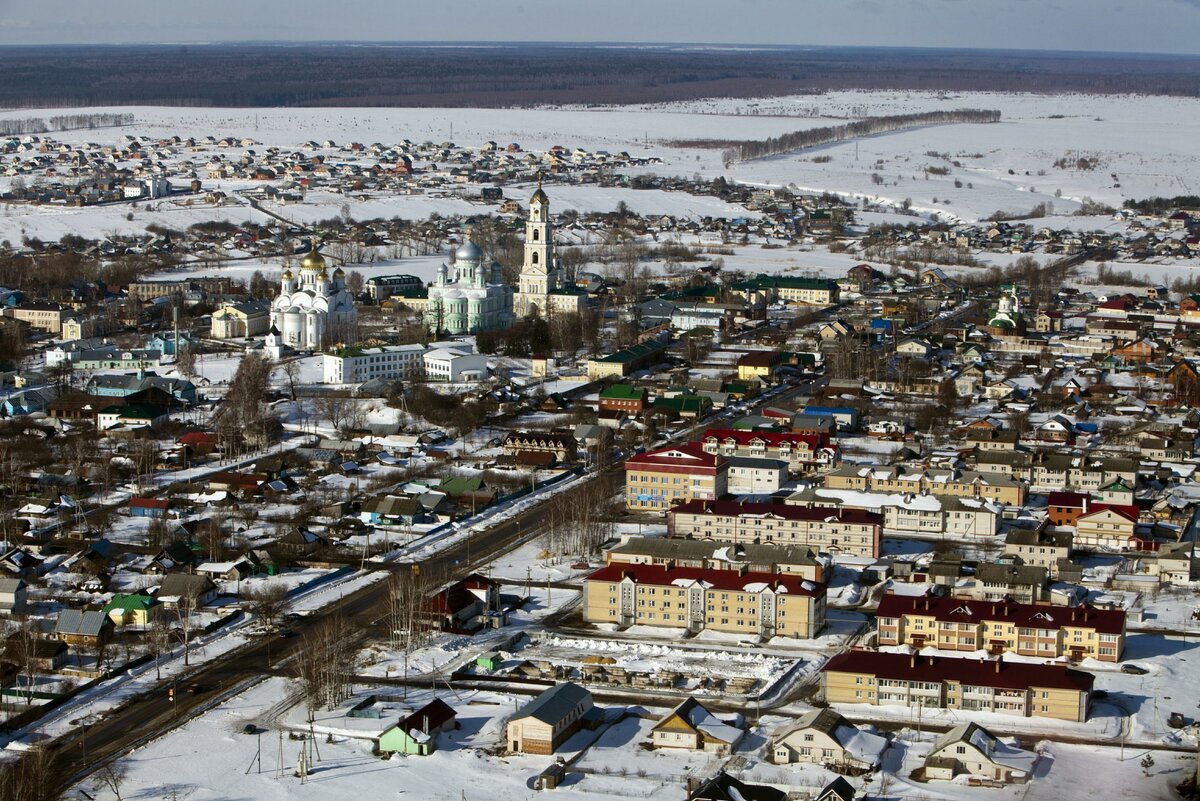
751 604
627 360
949 481
46 317
970 685
832 530
953 624
658 480
1106 528
692 727
759 365
241 320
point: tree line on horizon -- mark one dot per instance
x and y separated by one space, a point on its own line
814 137
62 122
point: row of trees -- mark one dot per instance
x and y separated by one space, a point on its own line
63 122
812 137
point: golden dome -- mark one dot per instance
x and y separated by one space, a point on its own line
339 273
287 274
313 261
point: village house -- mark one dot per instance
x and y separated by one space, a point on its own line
824 737
692 727
1040 547
549 720
1107 527
415 734
623 398
971 749
13 596
84 628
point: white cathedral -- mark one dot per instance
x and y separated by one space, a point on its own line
312 311
539 287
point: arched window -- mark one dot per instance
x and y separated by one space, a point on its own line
536 235
535 257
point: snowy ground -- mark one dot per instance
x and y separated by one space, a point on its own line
1141 146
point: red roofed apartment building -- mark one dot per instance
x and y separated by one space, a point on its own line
970 685
751 604
832 530
658 480
954 624
800 451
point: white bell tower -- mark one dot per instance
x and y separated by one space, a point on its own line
539 273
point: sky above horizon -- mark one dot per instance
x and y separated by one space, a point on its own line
1145 26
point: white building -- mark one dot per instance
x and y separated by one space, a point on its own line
824 737
455 363
353 365
312 310
540 290
750 476
450 361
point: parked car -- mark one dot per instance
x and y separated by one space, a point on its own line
1134 670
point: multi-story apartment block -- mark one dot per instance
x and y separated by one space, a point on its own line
827 529
753 604
933 515
800 451
948 481
968 685
953 624
792 560
1048 471
658 480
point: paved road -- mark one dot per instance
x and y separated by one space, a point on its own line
152 714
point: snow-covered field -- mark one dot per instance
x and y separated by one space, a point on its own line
1141 146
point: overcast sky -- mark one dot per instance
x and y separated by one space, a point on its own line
1152 26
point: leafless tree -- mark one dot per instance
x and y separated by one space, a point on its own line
326 662
266 600
159 639
185 360
112 778
291 372
409 622
335 409
184 607
29 777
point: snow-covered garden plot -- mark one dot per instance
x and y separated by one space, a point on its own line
742 671
621 751
210 758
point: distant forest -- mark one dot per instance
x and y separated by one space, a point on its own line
521 74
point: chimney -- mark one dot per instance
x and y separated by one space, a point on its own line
912 660
999 662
